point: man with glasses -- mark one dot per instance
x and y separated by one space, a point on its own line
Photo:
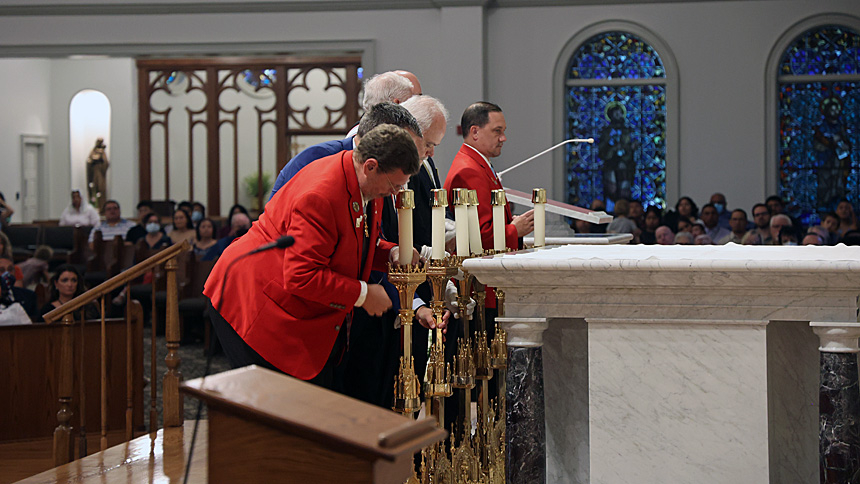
291 309
777 223
761 219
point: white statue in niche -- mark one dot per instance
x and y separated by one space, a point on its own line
97 166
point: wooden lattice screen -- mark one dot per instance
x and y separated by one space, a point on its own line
211 136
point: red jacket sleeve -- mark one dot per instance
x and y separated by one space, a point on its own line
473 179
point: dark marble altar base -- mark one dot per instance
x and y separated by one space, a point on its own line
839 428
526 423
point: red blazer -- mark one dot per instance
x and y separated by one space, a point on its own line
289 304
469 170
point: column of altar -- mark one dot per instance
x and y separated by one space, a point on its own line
679 363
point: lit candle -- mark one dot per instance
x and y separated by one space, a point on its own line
440 201
474 224
539 199
461 220
405 204
499 202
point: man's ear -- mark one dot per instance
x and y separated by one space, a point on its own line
371 164
473 132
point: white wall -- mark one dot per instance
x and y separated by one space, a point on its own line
721 49
24 109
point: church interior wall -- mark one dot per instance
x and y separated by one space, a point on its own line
461 54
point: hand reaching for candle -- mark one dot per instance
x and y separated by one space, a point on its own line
394 256
425 318
524 223
377 300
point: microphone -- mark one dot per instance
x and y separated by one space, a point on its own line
282 243
574 140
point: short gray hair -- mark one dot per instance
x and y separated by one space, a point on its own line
783 217
388 113
425 109
387 86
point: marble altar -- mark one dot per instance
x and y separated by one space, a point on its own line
677 364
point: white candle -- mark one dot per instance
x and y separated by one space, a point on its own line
499 202
539 199
440 201
475 243
461 221
405 204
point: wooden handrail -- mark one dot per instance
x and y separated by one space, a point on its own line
116 281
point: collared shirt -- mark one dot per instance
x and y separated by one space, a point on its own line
484 157
110 231
86 215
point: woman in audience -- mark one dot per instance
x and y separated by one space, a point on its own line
228 228
198 213
5 212
182 229
155 237
205 237
653 220
66 285
11 309
35 269
6 253
847 219
685 207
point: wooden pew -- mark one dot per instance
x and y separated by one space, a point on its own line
30 356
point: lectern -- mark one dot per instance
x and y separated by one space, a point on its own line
267 427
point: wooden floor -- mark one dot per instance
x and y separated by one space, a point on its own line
152 458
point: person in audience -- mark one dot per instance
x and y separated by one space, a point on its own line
621 224
6 253
182 229
35 269
847 218
704 239
79 212
830 223
198 213
777 223
11 310
685 207
155 237
6 212
664 235
711 221
228 229
777 206
718 200
852 237
650 224
582 227
684 238
812 238
752 238
14 292
598 205
697 228
66 285
137 232
761 219
241 225
787 235
113 224
636 213
205 237
684 224
738 223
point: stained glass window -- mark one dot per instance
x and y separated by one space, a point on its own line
819 122
616 94
259 78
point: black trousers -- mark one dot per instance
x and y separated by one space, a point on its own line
240 354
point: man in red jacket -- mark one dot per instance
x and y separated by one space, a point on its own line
290 309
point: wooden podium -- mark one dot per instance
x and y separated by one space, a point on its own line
267 427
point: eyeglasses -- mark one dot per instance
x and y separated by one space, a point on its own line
395 188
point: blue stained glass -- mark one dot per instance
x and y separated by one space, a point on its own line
615 55
819 146
260 78
821 51
628 157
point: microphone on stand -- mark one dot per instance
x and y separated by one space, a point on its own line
282 243
573 140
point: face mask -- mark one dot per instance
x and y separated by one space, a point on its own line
196 216
152 228
720 208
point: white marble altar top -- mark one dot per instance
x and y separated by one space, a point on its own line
583 239
730 257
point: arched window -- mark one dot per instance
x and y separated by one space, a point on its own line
819 121
618 90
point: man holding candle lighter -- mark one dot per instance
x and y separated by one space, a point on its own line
291 310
